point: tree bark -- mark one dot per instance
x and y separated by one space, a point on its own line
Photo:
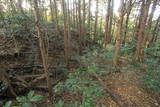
156 31
51 10
119 33
66 32
111 20
80 26
141 30
1 11
84 20
127 20
108 24
43 49
89 17
96 20
74 14
150 22
54 14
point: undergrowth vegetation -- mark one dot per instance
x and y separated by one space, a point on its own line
152 73
81 82
77 52
150 66
26 101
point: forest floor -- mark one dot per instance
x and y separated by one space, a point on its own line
127 85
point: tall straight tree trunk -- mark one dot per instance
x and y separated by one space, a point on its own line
150 21
141 30
74 14
80 26
107 26
137 19
1 11
89 17
69 29
56 15
156 31
77 15
51 10
43 49
96 21
112 33
84 19
40 4
111 20
152 14
127 21
101 24
126 28
119 34
68 10
66 32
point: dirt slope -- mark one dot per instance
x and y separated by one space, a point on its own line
127 85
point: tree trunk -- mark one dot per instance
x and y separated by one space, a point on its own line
111 20
43 48
141 30
127 20
84 20
96 21
66 32
89 17
107 27
119 33
156 31
80 26
74 14
51 10
150 21
1 11
56 15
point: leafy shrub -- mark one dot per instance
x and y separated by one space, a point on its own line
152 80
8 104
26 101
152 74
80 83
19 24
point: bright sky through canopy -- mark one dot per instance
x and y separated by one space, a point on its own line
102 9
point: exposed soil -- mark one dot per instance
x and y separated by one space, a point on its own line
128 86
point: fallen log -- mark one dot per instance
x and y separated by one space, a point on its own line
116 98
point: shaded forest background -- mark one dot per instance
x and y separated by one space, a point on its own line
45 44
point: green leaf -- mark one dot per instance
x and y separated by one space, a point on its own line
59 104
26 105
22 99
8 104
37 98
30 94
